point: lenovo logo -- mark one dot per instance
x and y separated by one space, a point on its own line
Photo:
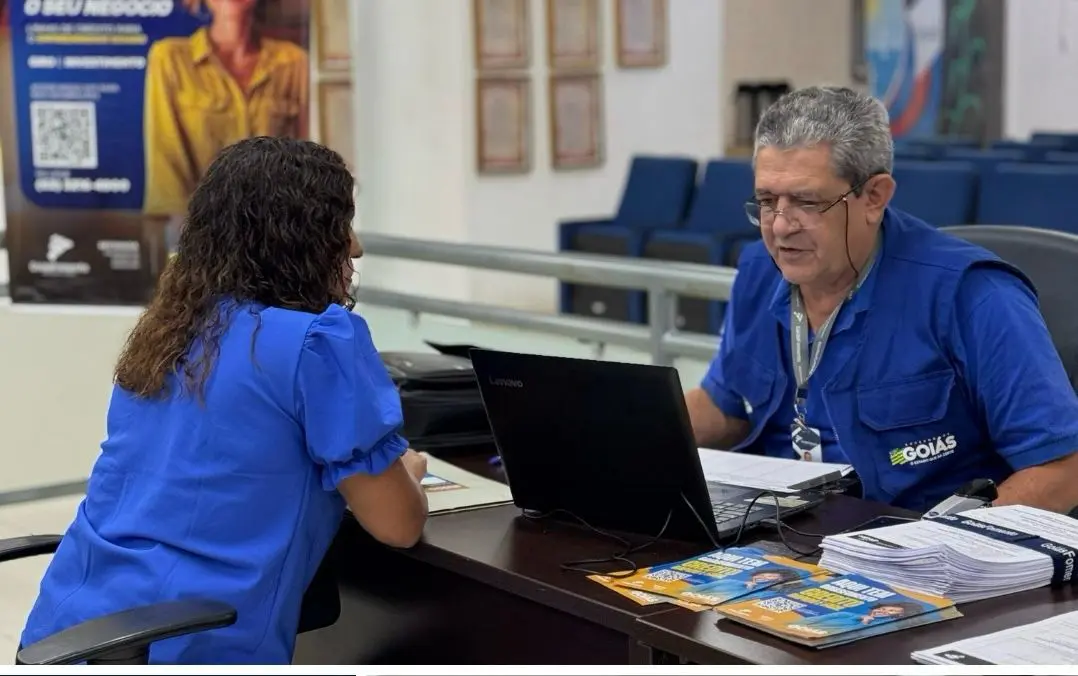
505 382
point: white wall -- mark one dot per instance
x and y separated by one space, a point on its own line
805 43
410 83
1040 67
56 368
418 168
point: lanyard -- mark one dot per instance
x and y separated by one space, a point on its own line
804 361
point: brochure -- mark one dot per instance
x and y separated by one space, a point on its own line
720 576
836 610
642 597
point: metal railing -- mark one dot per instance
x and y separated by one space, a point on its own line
662 280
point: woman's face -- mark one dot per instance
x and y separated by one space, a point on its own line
235 9
355 251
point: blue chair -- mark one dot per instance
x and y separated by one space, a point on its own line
935 146
984 159
1024 151
656 195
913 152
713 234
1055 140
941 193
1034 195
1061 157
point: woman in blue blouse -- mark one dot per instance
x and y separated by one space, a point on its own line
250 407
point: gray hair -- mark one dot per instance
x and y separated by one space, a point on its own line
854 126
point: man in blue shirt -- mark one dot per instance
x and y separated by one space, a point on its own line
858 333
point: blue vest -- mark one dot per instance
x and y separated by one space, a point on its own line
900 409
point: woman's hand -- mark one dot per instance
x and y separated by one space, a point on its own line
416 463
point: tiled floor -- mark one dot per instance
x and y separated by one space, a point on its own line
19 579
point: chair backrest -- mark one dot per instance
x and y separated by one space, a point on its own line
1061 157
941 193
1055 140
984 159
936 146
1050 259
719 204
657 192
1035 195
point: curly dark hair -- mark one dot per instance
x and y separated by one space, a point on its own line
269 224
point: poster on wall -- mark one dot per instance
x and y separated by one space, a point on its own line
120 106
904 50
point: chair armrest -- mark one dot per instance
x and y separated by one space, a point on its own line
568 229
31 545
127 632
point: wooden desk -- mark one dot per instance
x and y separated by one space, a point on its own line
679 636
484 587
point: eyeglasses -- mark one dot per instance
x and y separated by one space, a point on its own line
802 212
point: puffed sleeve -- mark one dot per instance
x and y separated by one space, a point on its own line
346 402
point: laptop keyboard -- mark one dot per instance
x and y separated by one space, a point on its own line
730 511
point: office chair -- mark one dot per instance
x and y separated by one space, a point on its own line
1049 258
1033 195
942 193
125 637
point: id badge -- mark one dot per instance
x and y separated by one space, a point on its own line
806 442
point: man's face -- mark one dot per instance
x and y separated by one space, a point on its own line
808 246
885 611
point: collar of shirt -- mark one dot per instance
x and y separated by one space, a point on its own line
268 56
861 301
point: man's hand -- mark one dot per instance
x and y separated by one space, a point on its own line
415 463
1050 486
710 426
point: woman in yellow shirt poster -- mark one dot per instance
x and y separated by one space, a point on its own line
227 81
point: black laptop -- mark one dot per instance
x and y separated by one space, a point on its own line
610 443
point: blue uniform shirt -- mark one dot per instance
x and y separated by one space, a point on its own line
939 370
233 500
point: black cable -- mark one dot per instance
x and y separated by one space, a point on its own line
618 557
744 523
780 524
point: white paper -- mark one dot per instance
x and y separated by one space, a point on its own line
766 473
451 489
1050 642
936 558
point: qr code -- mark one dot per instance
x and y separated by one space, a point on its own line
64 134
780 605
666 575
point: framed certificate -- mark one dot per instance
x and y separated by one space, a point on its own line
641 33
576 122
502 34
334 50
572 34
503 125
335 119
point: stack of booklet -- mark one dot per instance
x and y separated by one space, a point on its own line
719 576
705 581
796 601
828 610
1048 642
970 556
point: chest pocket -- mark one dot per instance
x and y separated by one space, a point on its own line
758 386
915 437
